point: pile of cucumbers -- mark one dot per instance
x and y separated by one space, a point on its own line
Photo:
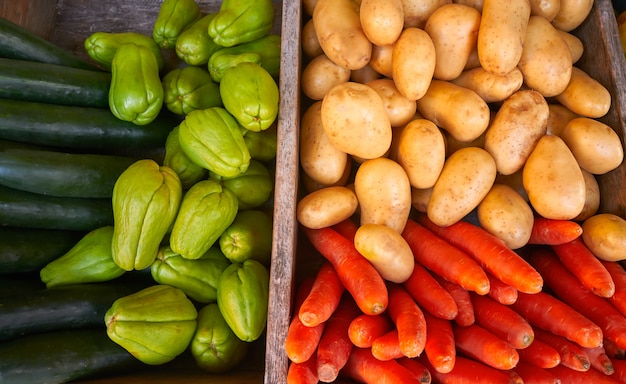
136 199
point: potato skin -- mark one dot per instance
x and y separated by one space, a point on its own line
585 96
605 235
382 20
421 152
491 87
399 108
571 14
326 207
320 75
413 61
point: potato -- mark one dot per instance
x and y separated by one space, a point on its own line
384 193
413 62
592 197
356 121
471 113
576 47
420 198
595 145
381 60
553 180
559 117
320 75
514 181
399 108
319 158
311 185
466 178
605 235
382 20
365 74
505 214
339 32
546 61
308 6
519 123
421 152
387 250
453 29
571 14
310 45
453 145
417 12
489 86
325 207
545 8
585 95
501 34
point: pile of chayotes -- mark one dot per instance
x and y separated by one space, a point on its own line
139 194
449 154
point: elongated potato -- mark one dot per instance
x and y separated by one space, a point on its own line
382 20
605 235
327 206
320 75
571 14
585 96
416 12
488 85
413 62
421 152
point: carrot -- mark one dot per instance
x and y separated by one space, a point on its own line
324 296
482 345
540 353
429 294
571 376
600 360
546 311
408 319
364 329
444 259
387 346
490 252
572 354
303 373
301 341
469 371
363 367
532 374
583 264
552 231
440 348
502 321
358 275
619 366
420 371
500 291
347 228
618 274
465 315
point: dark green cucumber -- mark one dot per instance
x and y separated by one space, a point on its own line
51 83
33 210
17 42
61 174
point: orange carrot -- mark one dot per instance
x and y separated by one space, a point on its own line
301 341
540 353
469 371
572 354
482 345
618 274
490 252
364 329
303 373
324 296
500 291
347 228
571 376
387 346
358 275
408 319
546 311
502 321
619 365
532 374
444 259
583 264
600 360
429 294
440 349
553 232
420 371
465 315
363 367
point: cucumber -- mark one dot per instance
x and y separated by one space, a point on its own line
61 174
55 84
17 42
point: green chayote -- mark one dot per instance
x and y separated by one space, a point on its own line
241 21
189 88
101 46
253 187
248 237
188 171
173 18
264 51
194 46
262 145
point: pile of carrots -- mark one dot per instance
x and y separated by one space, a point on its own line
473 310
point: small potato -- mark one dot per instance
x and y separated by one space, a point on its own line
545 8
356 121
571 14
413 62
320 75
384 193
327 206
308 6
558 118
399 108
310 45
420 198
382 20
585 95
466 178
553 180
505 214
514 181
605 235
417 12
387 250
596 146
519 123
576 47
421 152
311 185
381 60
471 113
364 75
491 87
592 197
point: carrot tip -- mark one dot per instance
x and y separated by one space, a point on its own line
309 319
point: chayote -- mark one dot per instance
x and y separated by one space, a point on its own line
101 46
242 296
189 88
146 198
214 346
155 324
250 94
197 278
213 139
194 46
136 92
206 210
88 261
253 187
173 18
264 51
248 237
188 171
241 21
262 145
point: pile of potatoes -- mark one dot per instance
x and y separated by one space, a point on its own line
452 107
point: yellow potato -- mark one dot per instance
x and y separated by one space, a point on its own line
546 61
381 60
413 62
453 29
365 74
571 14
489 86
384 193
501 34
382 20
420 198
356 121
326 207
399 108
421 152
310 45
505 214
416 12
592 197
553 180
576 47
519 123
308 6
320 75
605 235
466 178
545 8
585 95
339 32
473 61
458 110
387 250
558 118
595 145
